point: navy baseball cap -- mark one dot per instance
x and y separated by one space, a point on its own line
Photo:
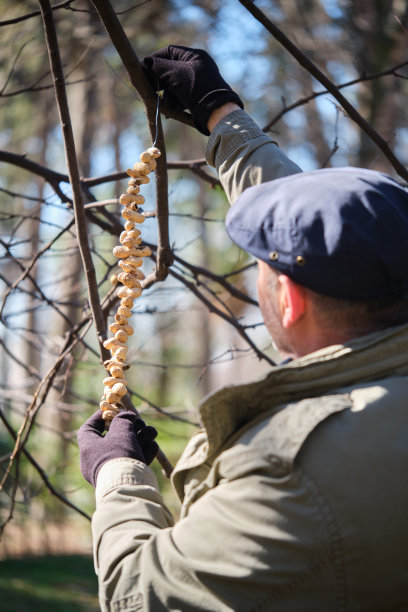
342 232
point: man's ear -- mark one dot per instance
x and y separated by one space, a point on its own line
292 302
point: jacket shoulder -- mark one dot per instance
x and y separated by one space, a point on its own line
274 441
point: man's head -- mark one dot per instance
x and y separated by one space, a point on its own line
333 251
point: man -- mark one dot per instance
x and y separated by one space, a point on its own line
293 494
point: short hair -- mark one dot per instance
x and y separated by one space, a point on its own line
358 317
355 317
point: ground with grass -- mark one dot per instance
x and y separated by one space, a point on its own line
35 582
40 584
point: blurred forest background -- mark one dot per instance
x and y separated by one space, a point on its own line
198 328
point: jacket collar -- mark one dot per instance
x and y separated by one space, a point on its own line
371 357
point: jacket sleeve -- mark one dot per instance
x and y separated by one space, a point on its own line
234 551
244 155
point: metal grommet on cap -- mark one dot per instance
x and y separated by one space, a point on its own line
274 255
300 260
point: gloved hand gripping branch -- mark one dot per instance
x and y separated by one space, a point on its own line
190 80
128 436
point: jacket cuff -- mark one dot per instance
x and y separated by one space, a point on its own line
123 470
229 133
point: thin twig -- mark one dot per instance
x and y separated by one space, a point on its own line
34 14
52 177
34 283
42 472
197 270
31 265
39 397
231 320
362 79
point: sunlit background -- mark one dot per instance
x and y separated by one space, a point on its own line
180 350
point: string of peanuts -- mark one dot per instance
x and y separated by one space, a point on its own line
130 254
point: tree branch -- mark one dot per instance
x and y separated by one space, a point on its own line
52 177
73 171
34 14
42 472
316 94
327 83
231 320
140 82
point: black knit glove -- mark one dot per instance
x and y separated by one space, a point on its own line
190 79
128 436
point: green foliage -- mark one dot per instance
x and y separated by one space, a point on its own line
41 584
176 341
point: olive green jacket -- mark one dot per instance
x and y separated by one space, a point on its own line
294 495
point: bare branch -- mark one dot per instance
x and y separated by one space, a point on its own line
198 270
41 472
316 94
52 177
35 284
327 83
231 320
11 71
28 269
73 171
142 86
34 14
195 166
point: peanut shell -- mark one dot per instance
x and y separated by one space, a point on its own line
142 168
121 335
112 397
121 353
132 215
104 405
121 251
127 301
154 151
145 157
108 415
129 280
133 189
119 388
111 380
120 319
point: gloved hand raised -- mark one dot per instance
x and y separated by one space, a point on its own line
128 436
190 79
